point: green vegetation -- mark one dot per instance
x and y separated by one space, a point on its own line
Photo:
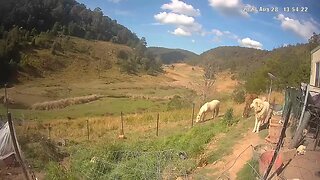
26 30
290 64
178 102
232 136
168 56
228 118
238 95
106 106
172 155
247 173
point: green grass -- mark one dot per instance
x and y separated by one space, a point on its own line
263 133
142 158
225 145
105 106
247 173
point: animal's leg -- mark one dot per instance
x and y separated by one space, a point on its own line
258 127
217 111
203 116
213 113
255 125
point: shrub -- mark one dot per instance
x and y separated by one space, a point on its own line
228 117
44 40
176 103
238 95
122 55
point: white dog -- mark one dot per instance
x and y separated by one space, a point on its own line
212 106
261 108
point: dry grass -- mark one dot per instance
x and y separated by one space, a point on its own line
62 103
107 127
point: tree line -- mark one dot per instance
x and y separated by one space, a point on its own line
26 24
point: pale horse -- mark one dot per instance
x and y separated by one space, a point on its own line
261 108
212 106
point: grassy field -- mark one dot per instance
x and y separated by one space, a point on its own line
143 155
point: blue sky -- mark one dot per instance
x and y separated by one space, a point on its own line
199 26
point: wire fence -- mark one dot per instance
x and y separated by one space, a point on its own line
134 165
295 96
225 173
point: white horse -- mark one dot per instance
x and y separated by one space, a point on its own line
261 108
212 106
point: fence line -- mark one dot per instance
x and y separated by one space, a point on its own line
234 162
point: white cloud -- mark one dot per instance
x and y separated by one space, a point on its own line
303 29
193 41
181 32
173 18
115 1
181 16
247 42
217 32
231 7
181 7
219 35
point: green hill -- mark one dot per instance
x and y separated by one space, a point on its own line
290 64
168 56
29 26
236 58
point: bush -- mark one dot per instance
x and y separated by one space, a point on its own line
122 55
228 117
176 103
44 40
238 95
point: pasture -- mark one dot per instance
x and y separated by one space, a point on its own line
91 130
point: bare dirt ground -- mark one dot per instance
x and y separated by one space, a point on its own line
190 77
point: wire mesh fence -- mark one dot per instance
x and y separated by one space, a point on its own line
295 96
166 164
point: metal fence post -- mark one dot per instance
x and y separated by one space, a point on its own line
15 146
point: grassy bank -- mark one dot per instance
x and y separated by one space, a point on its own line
169 156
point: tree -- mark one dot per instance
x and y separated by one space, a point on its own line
55 28
314 40
208 81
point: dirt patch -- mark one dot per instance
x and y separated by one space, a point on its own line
227 167
187 76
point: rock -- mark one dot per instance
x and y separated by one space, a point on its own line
301 150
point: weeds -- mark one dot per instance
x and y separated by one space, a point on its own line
247 172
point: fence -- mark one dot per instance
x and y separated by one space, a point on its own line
295 96
133 165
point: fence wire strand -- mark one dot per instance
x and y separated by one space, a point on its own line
234 162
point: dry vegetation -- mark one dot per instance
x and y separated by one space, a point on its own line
62 103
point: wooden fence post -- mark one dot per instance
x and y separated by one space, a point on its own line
49 131
192 115
157 133
88 130
15 146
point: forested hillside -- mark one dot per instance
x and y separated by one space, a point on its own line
26 25
236 58
290 64
168 56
